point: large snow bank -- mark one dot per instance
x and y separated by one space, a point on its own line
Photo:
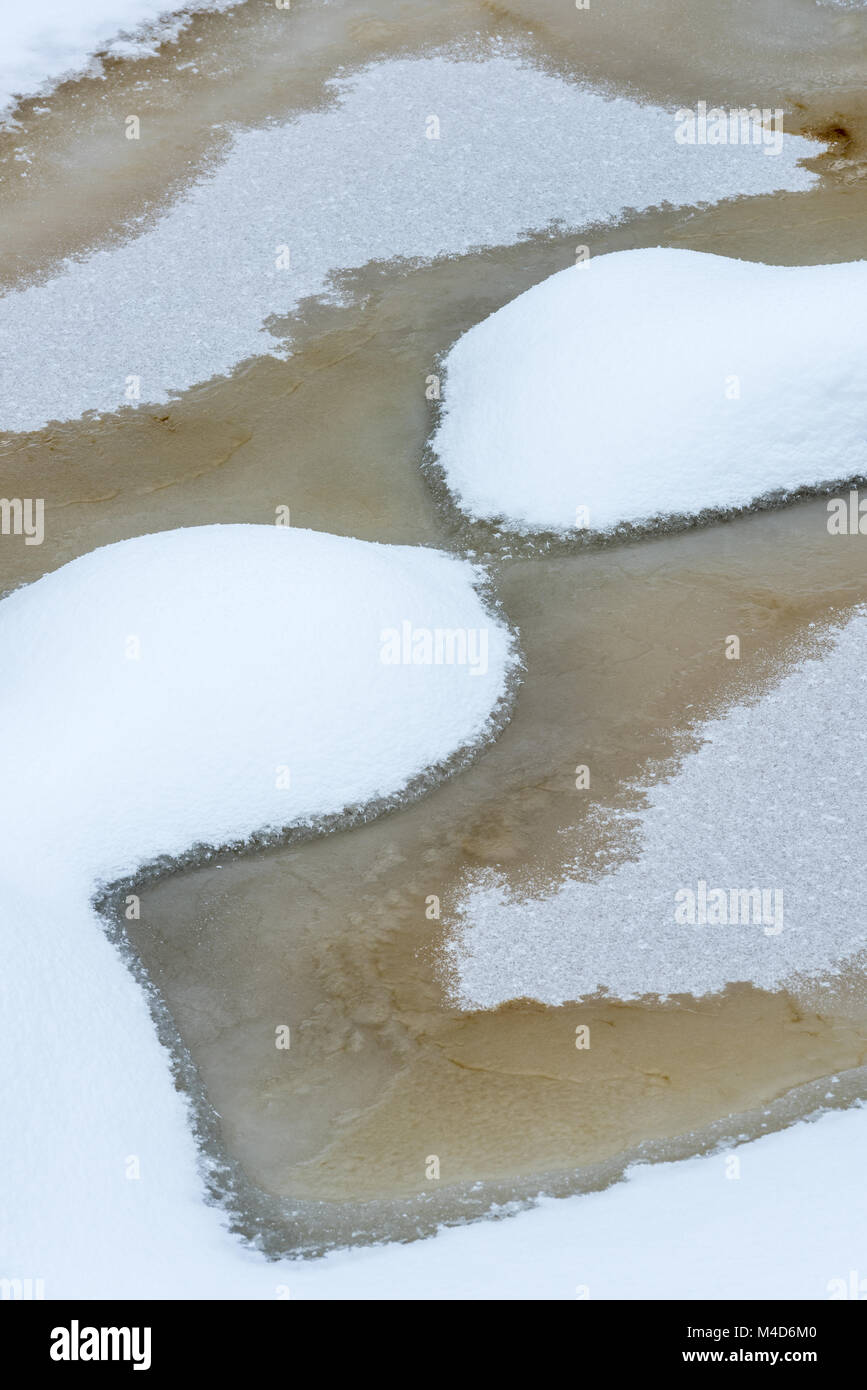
197 685
45 43
517 150
655 383
775 798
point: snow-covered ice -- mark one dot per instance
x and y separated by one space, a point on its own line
656 383
46 43
775 798
518 150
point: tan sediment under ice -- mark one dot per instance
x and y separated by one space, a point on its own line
624 646
332 937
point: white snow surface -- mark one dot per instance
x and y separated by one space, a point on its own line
154 690
256 647
653 383
518 151
775 797
46 43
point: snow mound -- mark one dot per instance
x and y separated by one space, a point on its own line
203 684
536 151
656 383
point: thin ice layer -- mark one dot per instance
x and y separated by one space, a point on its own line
774 799
515 150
